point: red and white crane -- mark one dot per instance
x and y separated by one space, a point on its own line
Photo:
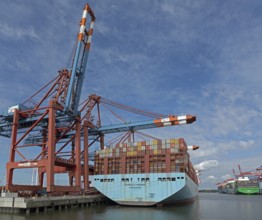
58 130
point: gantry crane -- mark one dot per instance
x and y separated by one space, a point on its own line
58 130
54 116
254 173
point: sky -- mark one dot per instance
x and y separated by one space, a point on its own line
176 57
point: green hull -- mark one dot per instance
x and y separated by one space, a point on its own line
248 191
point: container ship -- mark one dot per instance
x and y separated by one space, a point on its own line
239 186
146 173
228 186
244 183
247 185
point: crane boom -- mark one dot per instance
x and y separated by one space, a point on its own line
79 62
133 126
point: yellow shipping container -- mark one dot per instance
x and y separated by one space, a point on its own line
154 142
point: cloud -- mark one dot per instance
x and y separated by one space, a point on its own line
18 32
211 177
206 152
101 28
226 176
235 145
208 179
170 57
230 108
207 165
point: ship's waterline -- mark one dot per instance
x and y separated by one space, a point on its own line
146 173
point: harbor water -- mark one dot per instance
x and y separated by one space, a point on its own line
209 206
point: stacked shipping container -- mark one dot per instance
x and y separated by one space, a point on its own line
251 183
157 156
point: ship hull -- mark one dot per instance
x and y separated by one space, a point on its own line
248 191
152 189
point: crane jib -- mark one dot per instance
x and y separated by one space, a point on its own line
79 63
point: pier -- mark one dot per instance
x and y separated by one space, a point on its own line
44 204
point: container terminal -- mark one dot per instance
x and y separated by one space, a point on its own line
249 183
58 131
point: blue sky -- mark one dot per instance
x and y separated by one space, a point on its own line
171 57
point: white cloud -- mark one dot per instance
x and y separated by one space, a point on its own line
232 145
226 176
171 57
246 144
206 165
18 32
211 177
206 152
101 28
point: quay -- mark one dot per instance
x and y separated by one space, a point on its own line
46 203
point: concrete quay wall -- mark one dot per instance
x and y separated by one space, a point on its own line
43 204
